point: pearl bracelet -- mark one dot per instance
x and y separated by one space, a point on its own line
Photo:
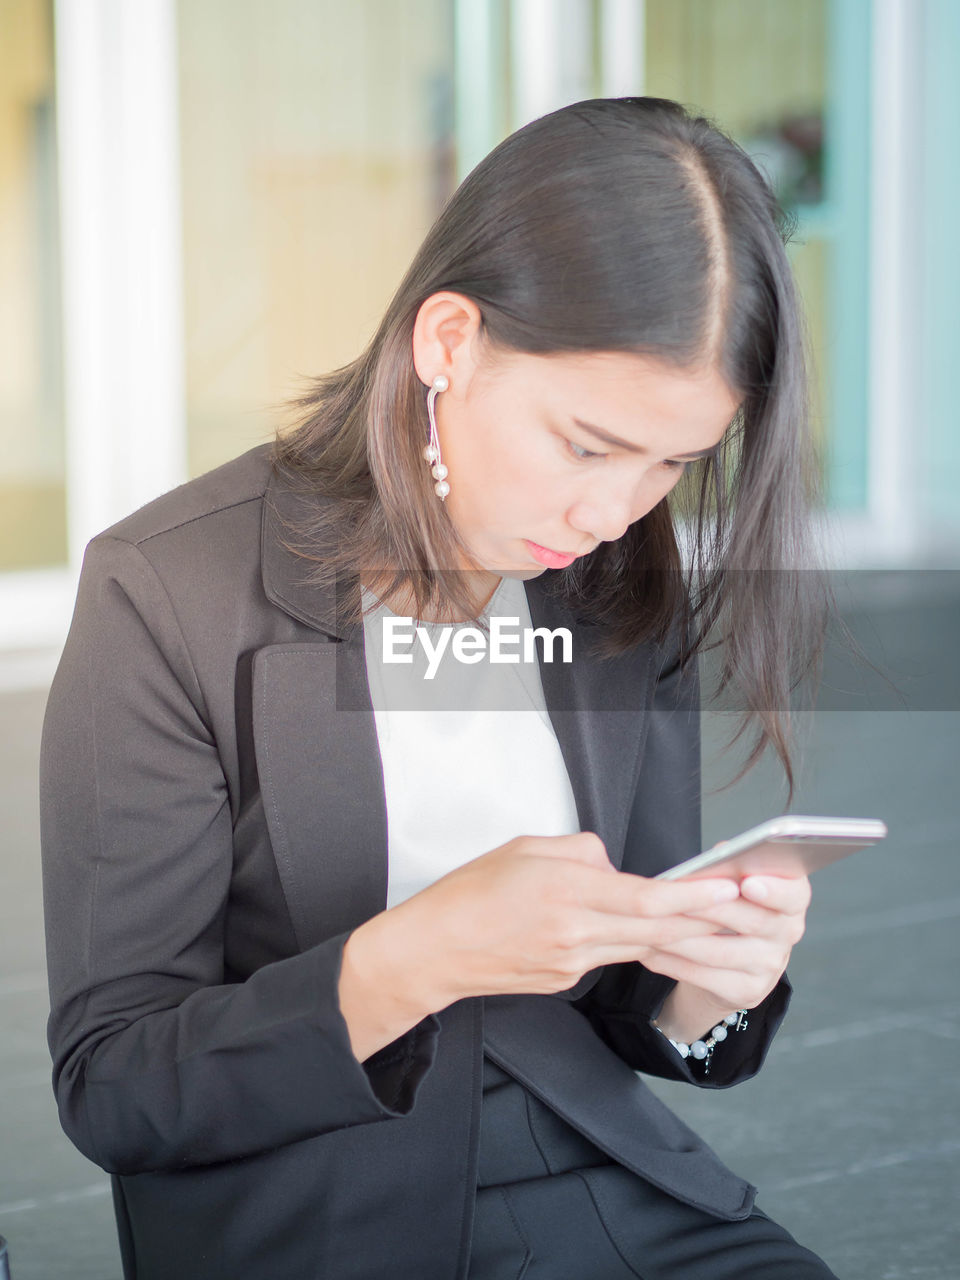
703 1049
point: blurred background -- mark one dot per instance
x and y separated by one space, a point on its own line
204 201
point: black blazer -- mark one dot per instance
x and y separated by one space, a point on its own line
213 827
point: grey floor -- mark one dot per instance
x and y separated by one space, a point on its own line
852 1130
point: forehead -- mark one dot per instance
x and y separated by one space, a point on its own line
629 395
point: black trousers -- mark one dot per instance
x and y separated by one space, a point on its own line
552 1206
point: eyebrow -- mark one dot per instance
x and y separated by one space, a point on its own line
608 438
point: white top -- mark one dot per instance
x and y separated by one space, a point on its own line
470 759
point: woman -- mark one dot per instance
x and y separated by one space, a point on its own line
352 965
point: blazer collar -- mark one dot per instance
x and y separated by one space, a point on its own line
285 573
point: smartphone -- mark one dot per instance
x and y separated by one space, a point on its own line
789 846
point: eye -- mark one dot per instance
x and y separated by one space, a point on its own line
581 454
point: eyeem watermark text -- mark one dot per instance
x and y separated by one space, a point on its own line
505 642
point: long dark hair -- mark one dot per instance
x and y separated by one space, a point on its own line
612 225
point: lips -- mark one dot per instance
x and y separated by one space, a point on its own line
545 556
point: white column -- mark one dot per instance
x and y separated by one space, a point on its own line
622 48
894 310
125 422
118 142
551 61
534 55
551 55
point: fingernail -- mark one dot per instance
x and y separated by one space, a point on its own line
756 888
726 891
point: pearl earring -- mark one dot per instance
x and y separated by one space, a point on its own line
432 452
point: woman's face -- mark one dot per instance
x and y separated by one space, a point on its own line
550 455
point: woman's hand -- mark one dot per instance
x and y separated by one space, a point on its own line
735 968
531 916
537 913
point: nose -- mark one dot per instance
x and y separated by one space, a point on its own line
603 522
610 506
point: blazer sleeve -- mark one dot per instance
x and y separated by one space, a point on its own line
159 1062
664 829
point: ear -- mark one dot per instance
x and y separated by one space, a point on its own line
444 334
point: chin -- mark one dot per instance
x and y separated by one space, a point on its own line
504 565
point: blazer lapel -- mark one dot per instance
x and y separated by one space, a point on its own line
597 709
322 784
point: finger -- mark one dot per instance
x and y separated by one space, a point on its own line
627 894
737 990
745 917
622 893
637 946
601 929
790 895
725 951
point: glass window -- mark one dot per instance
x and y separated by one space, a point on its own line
317 147
33 527
790 83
